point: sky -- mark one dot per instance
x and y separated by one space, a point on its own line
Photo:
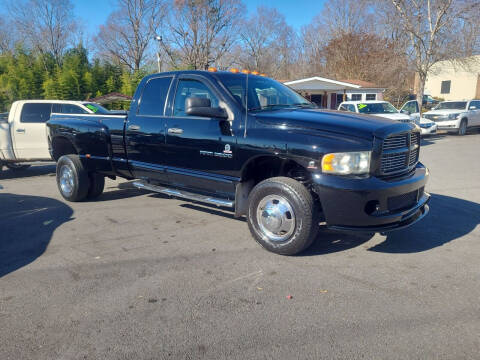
297 12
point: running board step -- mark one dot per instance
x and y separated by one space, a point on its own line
184 194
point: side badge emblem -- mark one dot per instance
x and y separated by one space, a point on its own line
227 149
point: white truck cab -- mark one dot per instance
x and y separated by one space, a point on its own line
374 107
23 136
456 116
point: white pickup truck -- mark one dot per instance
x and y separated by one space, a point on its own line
23 136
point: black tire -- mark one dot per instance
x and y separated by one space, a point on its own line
97 184
462 130
305 215
17 167
71 175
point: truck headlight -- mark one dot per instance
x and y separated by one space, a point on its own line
453 116
347 163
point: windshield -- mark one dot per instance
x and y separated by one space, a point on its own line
263 93
452 105
377 108
97 109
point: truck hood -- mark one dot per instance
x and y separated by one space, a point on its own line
445 112
397 116
351 124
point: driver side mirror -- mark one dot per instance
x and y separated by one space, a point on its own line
472 107
200 106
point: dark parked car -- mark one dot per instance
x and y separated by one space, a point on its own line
249 143
428 101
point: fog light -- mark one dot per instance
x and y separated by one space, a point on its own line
372 206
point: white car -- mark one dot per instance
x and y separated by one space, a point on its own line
23 135
377 108
456 116
410 108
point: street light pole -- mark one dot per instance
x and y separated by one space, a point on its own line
159 61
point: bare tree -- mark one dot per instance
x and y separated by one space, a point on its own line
47 25
6 37
429 25
266 41
129 31
201 31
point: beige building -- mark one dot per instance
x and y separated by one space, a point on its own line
454 80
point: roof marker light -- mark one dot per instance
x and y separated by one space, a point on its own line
255 72
234 70
263 74
212 69
245 71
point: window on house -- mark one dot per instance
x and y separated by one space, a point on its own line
356 97
371 97
445 87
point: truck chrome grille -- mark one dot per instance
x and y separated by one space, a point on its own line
400 153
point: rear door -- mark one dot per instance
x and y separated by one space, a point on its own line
200 150
29 131
145 131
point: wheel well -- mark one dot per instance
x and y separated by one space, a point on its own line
62 146
263 168
266 167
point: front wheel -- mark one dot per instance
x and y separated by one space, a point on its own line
17 167
282 215
463 128
72 178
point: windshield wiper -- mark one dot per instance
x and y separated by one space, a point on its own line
270 106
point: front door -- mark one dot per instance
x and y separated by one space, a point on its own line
411 108
200 150
145 131
29 133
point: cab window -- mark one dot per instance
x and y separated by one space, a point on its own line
72 109
154 96
191 88
35 113
410 107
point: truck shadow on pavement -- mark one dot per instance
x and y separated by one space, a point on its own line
449 219
37 170
27 224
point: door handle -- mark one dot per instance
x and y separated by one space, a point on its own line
133 127
175 131
20 130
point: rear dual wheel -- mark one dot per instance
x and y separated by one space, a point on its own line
74 182
282 215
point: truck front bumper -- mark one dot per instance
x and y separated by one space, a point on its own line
372 204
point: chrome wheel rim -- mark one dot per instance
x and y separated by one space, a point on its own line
67 180
276 218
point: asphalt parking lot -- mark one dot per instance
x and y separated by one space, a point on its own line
136 275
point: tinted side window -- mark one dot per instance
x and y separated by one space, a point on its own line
476 104
72 109
154 96
411 107
35 113
191 88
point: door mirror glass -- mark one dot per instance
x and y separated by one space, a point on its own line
202 106
473 107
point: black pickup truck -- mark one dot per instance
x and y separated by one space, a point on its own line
249 143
